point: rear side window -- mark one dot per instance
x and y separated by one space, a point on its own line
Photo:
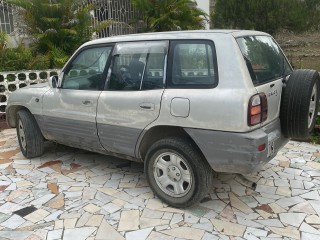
192 64
138 66
264 59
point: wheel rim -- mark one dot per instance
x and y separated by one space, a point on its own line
312 106
172 174
22 135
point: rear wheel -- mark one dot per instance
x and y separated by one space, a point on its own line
299 105
29 135
177 173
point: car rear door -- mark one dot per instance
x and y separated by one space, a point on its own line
267 66
132 96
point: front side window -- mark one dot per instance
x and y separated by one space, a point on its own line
86 70
193 64
138 66
264 59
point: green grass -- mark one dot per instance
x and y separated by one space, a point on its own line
315 137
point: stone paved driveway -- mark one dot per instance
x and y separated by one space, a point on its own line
72 194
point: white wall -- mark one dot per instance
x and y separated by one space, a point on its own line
204 5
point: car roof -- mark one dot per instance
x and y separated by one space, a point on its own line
194 34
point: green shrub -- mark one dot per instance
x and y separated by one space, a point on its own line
22 58
3 40
40 62
315 137
12 59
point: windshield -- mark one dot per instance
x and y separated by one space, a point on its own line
264 59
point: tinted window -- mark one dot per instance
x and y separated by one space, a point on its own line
264 59
137 66
193 64
86 70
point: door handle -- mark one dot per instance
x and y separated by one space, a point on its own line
147 106
87 102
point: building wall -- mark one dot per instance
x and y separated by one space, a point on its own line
212 6
10 23
205 6
7 21
121 12
6 17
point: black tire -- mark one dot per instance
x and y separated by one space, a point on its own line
30 137
297 98
191 159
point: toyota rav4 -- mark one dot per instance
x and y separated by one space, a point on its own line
183 103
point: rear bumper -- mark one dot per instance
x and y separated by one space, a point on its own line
238 152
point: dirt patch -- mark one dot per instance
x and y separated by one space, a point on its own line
303 50
3 123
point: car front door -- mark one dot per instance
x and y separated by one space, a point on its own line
132 96
69 111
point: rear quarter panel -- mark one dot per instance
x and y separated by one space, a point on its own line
221 108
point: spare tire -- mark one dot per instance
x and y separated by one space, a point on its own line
299 104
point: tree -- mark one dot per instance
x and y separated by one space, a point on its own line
267 15
168 15
313 7
58 27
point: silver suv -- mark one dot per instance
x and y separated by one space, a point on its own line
183 103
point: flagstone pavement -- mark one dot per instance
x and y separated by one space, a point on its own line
73 194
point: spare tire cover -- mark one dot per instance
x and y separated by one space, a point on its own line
299 104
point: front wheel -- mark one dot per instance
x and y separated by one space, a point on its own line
177 172
29 135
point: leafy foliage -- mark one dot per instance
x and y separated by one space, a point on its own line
267 15
313 8
58 27
3 40
12 59
168 15
315 137
54 25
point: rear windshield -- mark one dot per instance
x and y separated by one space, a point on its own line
264 59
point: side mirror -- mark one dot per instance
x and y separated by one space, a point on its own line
53 81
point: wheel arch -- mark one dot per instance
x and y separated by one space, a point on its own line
11 114
156 133
29 135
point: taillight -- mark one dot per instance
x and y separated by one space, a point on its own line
258 109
